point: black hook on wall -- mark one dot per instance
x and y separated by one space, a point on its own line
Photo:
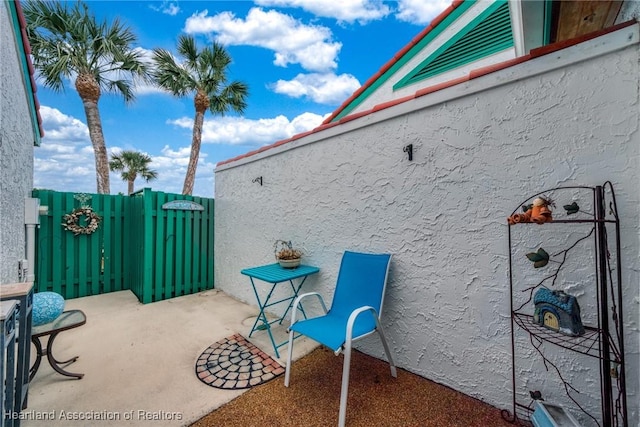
258 180
409 150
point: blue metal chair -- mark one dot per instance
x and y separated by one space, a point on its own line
355 313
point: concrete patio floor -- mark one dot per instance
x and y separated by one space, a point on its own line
139 361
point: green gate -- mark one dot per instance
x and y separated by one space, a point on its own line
158 245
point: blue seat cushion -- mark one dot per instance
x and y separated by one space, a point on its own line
47 306
330 330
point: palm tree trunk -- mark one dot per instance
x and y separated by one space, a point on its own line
195 153
129 187
97 140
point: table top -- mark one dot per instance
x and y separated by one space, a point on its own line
14 290
67 320
6 308
274 273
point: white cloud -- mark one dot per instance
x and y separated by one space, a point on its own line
181 153
344 10
172 164
327 88
420 11
65 158
60 127
65 161
293 42
167 7
242 131
307 121
57 148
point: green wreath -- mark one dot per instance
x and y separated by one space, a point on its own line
72 221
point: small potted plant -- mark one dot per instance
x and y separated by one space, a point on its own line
286 255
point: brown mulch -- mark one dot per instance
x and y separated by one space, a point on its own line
375 399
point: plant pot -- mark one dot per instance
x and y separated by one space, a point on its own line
289 263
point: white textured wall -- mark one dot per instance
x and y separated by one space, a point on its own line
16 152
630 10
443 216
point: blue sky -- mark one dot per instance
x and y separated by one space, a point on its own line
300 58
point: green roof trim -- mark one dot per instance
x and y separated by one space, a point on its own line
428 38
548 21
25 72
489 33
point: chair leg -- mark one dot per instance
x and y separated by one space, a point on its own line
287 369
345 384
392 365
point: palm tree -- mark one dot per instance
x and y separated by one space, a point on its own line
203 74
67 42
132 164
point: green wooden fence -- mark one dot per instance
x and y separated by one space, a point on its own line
157 252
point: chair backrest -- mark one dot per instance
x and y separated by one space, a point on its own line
361 281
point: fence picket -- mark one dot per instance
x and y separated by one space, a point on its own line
94 247
104 272
188 252
180 255
158 252
133 253
195 269
207 264
169 250
69 264
53 245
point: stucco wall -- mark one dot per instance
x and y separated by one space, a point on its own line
630 10
16 152
477 153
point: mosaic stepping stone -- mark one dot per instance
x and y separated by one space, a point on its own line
234 363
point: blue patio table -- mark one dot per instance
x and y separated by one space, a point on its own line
275 274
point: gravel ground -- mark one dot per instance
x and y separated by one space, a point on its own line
375 399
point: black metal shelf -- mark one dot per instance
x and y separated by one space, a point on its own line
588 344
576 221
602 341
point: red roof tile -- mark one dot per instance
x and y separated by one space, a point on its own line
440 86
499 66
393 102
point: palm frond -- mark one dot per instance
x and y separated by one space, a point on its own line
132 164
187 49
123 87
170 75
67 40
232 97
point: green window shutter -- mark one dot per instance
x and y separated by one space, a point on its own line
487 34
448 20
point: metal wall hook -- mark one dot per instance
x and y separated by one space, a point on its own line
258 180
409 150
